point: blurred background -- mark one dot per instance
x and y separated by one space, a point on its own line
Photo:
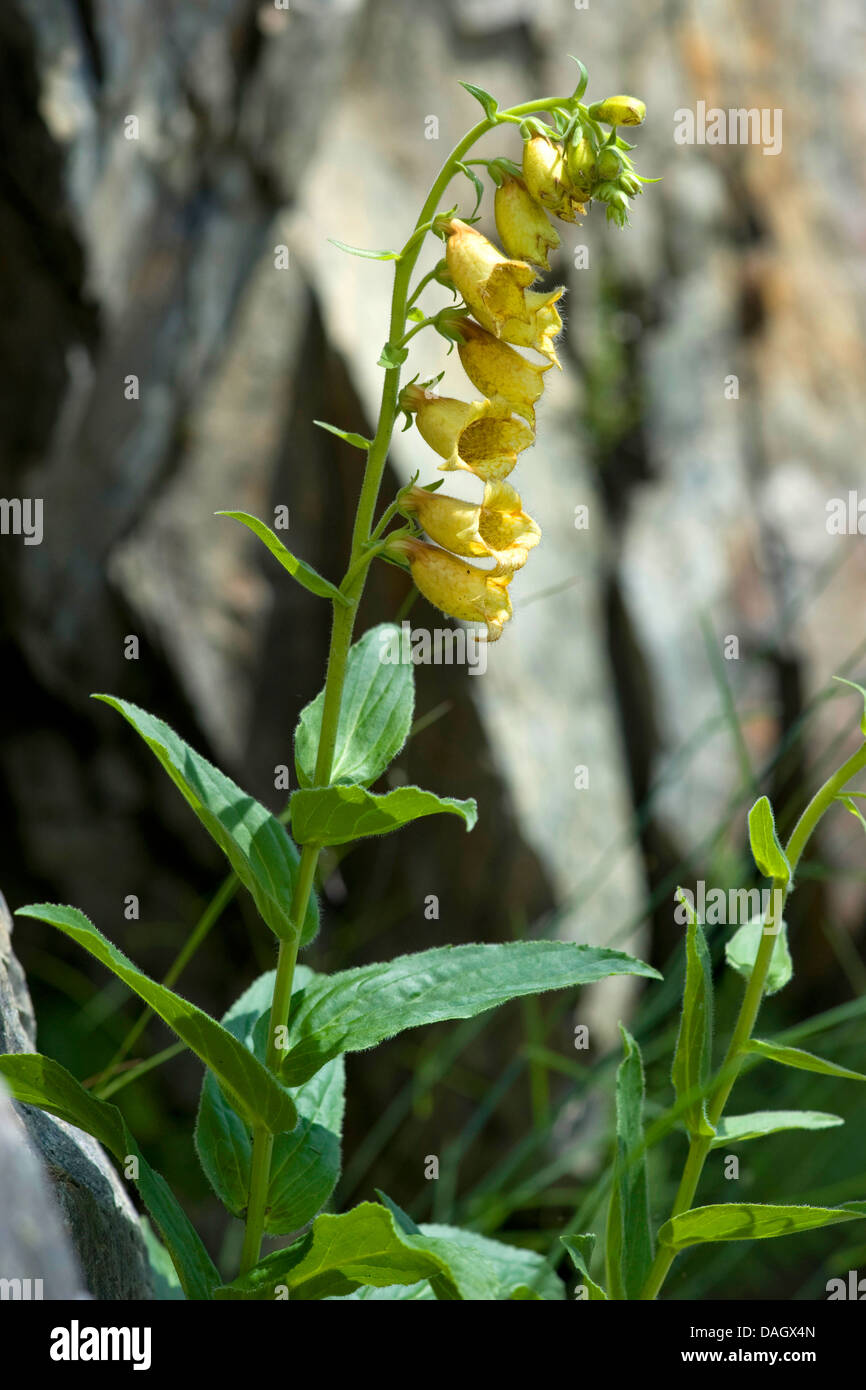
713 393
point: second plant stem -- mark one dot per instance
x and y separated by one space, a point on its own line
700 1146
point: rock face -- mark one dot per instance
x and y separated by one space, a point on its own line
84 1233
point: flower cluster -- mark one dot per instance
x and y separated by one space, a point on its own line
562 172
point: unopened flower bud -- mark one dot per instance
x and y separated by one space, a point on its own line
609 164
547 178
580 163
619 110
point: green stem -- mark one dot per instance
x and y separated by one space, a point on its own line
338 655
727 1075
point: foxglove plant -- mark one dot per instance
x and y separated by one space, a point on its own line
268 1131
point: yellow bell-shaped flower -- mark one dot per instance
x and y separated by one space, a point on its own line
461 590
498 527
495 289
472 435
546 177
619 110
522 224
505 377
483 275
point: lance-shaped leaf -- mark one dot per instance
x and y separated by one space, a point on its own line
40 1081
305 1164
375 714
484 99
734 1129
356 440
305 575
750 1221
366 255
742 950
253 841
767 852
339 815
356 1009
800 1060
628 1245
367 1246
251 1088
580 1249
862 693
692 1058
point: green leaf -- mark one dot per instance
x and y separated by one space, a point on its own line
802 1061
580 1249
750 1221
338 815
347 436
37 1080
742 949
366 255
252 1089
628 1246
477 185
305 1163
305 575
392 355
767 852
375 715
166 1284
421 1292
862 691
486 100
692 1058
356 1009
253 841
363 1246
517 1273
851 805
735 1129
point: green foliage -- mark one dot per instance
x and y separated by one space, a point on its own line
751 1221
306 1161
356 1009
693 1055
251 1088
742 950
253 841
735 1129
375 714
37 1080
369 1245
580 1249
339 815
803 1061
300 571
629 1249
767 852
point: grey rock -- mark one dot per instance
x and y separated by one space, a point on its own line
90 1203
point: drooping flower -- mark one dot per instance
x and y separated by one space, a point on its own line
505 377
472 435
498 527
484 276
522 224
495 288
456 588
546 176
